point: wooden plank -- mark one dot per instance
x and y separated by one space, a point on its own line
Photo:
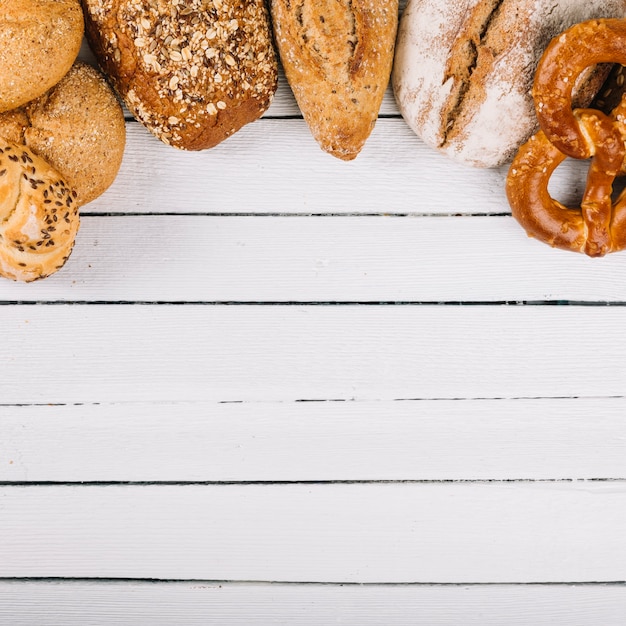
316 441
210 604
327 259
99 353
361 533
393 174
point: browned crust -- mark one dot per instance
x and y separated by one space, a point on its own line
39 41
337 57
193 73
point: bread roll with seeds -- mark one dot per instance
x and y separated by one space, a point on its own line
78 127
39 41
38 215
464 69
337 56
193 73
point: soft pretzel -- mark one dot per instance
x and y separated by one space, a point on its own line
38 215
598 227
565 58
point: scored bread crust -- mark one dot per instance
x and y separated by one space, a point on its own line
193 73
78 127
38 215
39 41
464 69
337 56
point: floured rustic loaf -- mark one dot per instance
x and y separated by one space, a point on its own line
192 72
337 56
464 69
39 41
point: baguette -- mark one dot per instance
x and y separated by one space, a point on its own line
337 57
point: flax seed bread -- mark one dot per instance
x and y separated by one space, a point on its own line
77 127
39 41
337 56
192 72
464 69
38 215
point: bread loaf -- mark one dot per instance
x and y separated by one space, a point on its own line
39 41
193 73
337 56
78 127
464 70
38 215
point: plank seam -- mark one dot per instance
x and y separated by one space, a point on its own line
199 581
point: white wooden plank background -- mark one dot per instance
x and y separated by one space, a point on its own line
201 394
213 604
357 533
314 441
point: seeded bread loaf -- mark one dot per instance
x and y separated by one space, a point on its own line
77 127
38 215
464 69
192 72
39 41
337 56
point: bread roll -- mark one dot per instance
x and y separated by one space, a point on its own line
38 215
78 127
464 70
192 72
337 56
39 40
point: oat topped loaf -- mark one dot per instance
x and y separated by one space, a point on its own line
193 72
39 41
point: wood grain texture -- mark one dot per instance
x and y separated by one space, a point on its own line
231 353
213 604
327 259
389 532
316 441
393 174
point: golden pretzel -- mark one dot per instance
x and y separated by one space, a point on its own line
599 225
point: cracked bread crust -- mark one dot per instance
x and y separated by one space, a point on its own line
464 70
337 56
193 72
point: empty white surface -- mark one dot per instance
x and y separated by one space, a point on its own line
217 604
360 533
316 441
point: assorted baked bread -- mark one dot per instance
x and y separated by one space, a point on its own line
62 135
192 72
464 69
337 56
78 127
196 72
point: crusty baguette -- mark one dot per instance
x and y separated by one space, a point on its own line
193 73
39 40
38 215
337 56
77 126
